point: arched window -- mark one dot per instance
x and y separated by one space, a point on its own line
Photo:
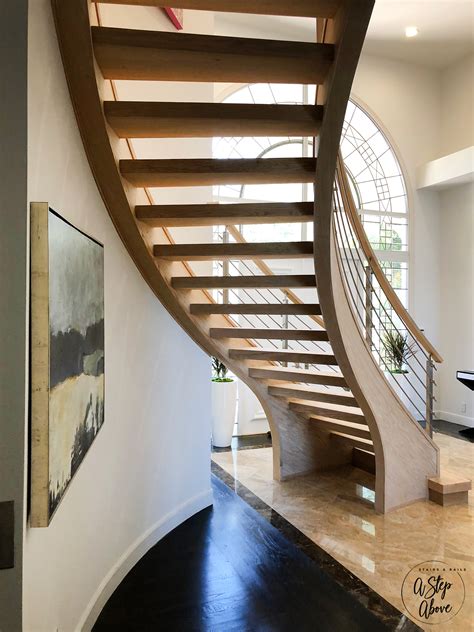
377 181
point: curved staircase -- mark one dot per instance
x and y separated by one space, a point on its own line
308 362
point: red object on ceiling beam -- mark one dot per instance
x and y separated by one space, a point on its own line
176 16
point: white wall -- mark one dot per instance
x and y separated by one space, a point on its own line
457 106
456 401
149 466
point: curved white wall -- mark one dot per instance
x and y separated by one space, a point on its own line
149 467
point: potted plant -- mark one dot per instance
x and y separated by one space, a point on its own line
224 402
398 351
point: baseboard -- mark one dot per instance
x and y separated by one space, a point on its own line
135 552
463 420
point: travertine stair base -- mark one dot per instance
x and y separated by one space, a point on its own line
449 489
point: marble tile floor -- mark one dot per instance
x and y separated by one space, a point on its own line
335 510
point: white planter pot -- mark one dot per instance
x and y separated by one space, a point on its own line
251 418
224 402
406 392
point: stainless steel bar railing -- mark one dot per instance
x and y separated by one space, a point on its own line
377 319
256 295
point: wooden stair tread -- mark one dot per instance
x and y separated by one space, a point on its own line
356 442
250 281
308 309
297 8
264 250
282 355
309 393
215 214
332 411
345 427
269 334
158 56
300 376
210 171
145 119
449 483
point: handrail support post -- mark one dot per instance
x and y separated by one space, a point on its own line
368 305
225 266
429 395
284 344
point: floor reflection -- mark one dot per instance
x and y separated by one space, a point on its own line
335 510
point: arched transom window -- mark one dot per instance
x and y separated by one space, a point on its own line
377 181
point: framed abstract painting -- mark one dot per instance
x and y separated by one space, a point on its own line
67 355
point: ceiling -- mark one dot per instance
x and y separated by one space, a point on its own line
446 29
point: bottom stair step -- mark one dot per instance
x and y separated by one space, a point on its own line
449 489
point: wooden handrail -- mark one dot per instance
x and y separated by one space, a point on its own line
400 310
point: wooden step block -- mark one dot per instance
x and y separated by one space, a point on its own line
269 334
356 442
145 119
264 250
449 489
242 282
331 411
297 8
217 214
272 309
282 355
303 376
363 460
209 171
310 394
346 427
134 54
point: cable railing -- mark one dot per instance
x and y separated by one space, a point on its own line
226 234
399 347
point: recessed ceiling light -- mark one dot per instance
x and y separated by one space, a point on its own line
411 31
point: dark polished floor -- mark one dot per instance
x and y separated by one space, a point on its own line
451 429
228 569
248 442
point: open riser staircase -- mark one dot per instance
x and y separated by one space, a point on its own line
308 360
